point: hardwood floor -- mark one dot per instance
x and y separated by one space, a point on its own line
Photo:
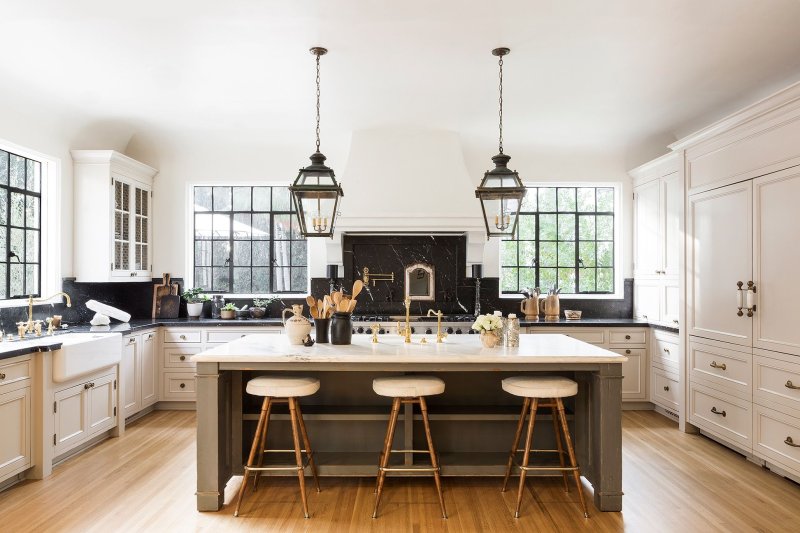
673 482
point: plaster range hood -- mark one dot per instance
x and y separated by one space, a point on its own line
408 181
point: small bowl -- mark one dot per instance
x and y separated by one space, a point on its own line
570 314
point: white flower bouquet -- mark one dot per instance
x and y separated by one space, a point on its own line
485 323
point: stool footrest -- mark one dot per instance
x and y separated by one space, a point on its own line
410 451
273 468
408 469
548 468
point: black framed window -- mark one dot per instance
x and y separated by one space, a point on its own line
247 241
564 239
20 226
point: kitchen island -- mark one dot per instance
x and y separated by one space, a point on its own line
472 422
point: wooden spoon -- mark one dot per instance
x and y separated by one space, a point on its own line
357 286
313 310
337 297
352 305
311 301
320 306
342 307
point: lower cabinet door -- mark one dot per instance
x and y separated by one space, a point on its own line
634 375
71 425
130 377
15 438
149 364
664 389
102 404
178 386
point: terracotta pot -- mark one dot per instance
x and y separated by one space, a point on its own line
490 339
227 314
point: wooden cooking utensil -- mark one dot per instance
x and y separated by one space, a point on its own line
311 301
357 286
336 296
313 310
352 305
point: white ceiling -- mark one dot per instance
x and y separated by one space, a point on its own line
581 75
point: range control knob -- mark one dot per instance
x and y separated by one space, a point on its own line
381 331
413 330
369 331
458 331
354 330
449 331
360 329
471 332
428 331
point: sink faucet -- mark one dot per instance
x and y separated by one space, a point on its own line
438 314
30 324
406 332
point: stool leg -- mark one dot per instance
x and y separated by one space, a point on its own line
557 434
525 406
297 454
263 445
387 447
307 444
571 453
434 461
527 454
253 449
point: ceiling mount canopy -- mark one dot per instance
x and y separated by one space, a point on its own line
315 191
501 191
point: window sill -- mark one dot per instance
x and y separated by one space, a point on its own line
614 296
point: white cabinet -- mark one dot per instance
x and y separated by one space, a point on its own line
84 410
115 219
15 416
138 373
657 212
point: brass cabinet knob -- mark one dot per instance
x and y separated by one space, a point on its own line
627 337
183 385
627 351
3 376
183 358
132 340
791 443
666 388
183 337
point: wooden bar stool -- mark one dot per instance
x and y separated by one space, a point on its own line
551 389
407 390
280 389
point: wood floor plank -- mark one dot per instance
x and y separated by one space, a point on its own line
673 482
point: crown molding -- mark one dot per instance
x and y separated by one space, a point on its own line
112 157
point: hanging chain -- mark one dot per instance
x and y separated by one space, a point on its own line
501 104
318 93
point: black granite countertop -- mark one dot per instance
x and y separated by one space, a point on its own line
586 322
148 323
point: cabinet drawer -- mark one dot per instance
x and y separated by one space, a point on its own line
664 389
626 336
216 336
666 352
597 336
178 386
183 336
776 380
180 357
725 415
721 367
14 372
777 438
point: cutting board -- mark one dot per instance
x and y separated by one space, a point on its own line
169 306
165 288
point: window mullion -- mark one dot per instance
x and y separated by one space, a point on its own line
577 253
230 253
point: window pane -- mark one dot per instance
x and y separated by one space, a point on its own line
527 278
587 280
261 281
605 280
222 198
260 253
547 199
299 253
547 254
34 178
17 209
242 226
566 199
241 198
3 173
32 246
3 207
202 226
508 253
587 254
283 225
605 254
202 253
547 227
282 279
280 199
17 171
221 253
529 201
18 244
261 199
566 227
605 200
566 280
527 227
586 199
221 280
3 254
241 254
586 227
261 229
281 251
241 280
32 279
605 228
222 227
566 254
527 253
299 279
202 278
3 273
202 198
17 280
547 278
508 280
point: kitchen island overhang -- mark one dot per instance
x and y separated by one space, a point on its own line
472 375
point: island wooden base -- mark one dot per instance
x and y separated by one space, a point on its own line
472 422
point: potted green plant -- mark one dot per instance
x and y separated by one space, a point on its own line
194 301
228 312
259 308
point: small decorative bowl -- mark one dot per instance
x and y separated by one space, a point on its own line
570 314
242 314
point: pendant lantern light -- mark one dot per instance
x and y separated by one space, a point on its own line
501 191
316 192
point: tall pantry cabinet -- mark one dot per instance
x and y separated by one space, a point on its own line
742 290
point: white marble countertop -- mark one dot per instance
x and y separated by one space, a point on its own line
540 348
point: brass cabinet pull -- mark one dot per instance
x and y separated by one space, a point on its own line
739 298
791 443
723 413
3 376
644 316
666 388
183 385
714 364
86 386
627 351
627 337
183 358
183 337
666 350
676 321
790 385
132 340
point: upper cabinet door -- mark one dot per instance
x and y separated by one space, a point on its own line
776 259
646 217
719 254
672 204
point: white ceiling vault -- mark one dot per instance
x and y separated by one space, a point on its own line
582 75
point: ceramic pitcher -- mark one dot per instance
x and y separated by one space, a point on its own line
297 326
530 306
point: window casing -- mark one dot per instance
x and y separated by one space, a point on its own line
247 241
565 237
20 226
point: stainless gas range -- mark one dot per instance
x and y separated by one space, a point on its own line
451 324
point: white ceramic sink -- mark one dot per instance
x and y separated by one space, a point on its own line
84 353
